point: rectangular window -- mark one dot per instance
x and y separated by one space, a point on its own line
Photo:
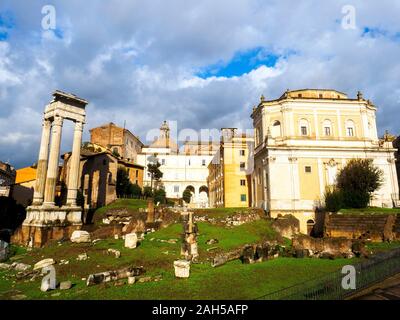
163 161
242 152
243 197
176 188
203 162
307 169
350 132
303 131
242 166
242 182
327 131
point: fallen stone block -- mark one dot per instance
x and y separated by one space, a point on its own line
80 236
108 276
18 266
65 285
131 240
43 263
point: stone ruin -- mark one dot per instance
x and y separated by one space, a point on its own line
307 246
375 228
189 237
287 226
44 220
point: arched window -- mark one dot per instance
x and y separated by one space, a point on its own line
304 128
350 128
327 127
276 129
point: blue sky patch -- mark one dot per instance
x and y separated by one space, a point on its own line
6 23
377 32
242 62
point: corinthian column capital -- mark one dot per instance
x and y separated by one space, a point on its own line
58 121
78 126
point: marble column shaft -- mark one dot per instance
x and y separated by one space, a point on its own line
52 170
74 164
41 170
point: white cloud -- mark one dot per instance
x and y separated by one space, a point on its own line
137 61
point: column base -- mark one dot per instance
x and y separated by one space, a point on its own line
45 222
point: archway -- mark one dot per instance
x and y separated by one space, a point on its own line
203 196
310 227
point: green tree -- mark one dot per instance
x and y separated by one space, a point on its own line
333 200
135 191
123 183
187 195
153 167
357 181
160 196
147 192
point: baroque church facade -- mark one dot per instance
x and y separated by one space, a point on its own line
303 139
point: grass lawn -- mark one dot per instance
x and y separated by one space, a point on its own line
233 280
220 212
133 204
371 210
383 246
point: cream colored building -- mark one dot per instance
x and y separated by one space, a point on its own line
181 170
229 179
303 138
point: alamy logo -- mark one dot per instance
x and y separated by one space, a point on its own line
349 280
349 18
49 280
49 20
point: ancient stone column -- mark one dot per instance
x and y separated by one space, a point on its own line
52 170
41 170
74 163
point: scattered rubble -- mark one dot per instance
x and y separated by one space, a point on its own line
18 266
115 252
82 257
212 241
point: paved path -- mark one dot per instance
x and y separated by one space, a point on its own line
388 289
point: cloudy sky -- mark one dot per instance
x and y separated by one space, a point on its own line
201 63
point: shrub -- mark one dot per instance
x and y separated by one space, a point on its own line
159 196
333 200
135 191
187 195
358 180
147 192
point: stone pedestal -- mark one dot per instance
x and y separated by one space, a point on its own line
131 240
182 268
45 223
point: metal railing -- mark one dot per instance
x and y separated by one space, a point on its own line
329 286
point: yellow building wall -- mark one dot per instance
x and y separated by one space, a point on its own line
309 182
136 179
232 176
